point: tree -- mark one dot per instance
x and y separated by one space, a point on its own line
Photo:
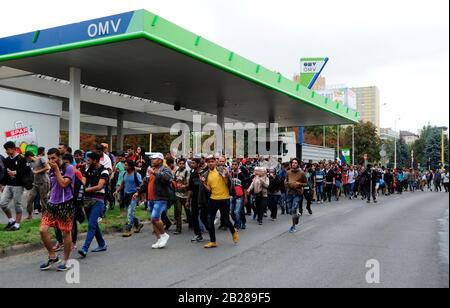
427 149
367 141
433 148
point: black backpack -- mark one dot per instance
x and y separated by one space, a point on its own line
27 179
2 170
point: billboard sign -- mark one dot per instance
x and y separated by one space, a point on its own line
24 138
310 70
346 156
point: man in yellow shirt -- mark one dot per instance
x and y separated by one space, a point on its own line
217 183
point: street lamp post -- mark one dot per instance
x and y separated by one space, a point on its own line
395 142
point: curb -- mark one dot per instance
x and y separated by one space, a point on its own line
27 248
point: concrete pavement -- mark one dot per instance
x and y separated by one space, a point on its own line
407 235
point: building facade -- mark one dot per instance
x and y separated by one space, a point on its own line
389 134
29 120
409 137
368 104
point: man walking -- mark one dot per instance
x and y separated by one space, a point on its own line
95 180
60 211
158 195
131 182
41 184
181 185
294 180
16 169
218 183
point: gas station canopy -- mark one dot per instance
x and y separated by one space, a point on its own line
140 54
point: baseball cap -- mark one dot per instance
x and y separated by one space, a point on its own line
209 157
157 156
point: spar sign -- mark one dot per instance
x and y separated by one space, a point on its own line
24 138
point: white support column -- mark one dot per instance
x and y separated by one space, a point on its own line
74 108
221 124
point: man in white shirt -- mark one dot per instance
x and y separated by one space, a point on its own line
351 174
105 161
446 180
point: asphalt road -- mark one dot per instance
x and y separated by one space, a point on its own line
407 235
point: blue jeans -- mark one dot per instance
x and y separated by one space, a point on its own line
132 220
236 211
351 190
156 209
94 213
319 191
293 204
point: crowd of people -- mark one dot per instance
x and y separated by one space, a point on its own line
70 188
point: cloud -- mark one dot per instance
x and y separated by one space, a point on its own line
400 46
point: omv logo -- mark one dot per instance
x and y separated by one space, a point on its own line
103 28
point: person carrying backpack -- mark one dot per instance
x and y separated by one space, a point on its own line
237 201
95 181
132 180
41 184
78 195
181 183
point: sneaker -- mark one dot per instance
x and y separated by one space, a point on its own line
9 225
82 253
36 212
177 232
243 227
293 230
236 237
164 239
14 228
48 265
197 239
211 245
156 245
127 233
74 247
100 249
62 268
139 228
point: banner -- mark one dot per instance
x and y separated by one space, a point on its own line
346 156
310 70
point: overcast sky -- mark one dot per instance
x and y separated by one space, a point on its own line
401 46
